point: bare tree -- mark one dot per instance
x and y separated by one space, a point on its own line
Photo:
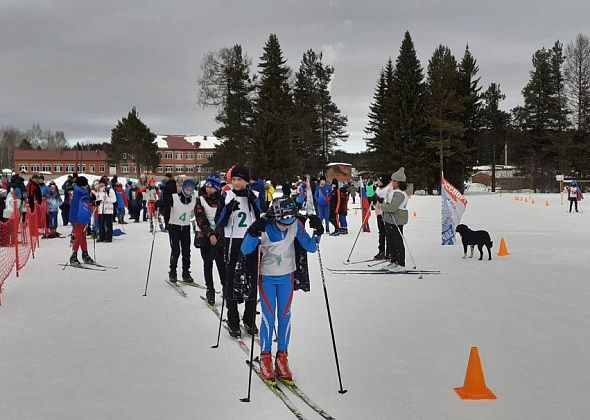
10 139
577 80
213 79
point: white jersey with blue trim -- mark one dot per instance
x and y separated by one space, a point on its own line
241 219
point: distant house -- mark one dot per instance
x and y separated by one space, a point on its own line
181 155
508 178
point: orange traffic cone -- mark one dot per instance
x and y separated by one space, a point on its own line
546 203
503 251
474 386
414 215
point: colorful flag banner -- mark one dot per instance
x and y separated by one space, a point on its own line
453 206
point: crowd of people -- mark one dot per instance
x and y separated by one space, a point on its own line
238 225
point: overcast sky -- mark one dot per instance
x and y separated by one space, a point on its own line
78 65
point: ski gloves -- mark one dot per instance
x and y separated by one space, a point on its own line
316 224
257 227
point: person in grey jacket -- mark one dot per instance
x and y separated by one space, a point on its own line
395 216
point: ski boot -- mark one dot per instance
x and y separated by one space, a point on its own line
282 368
396 269
344 231
266 372
172 277
237 333
389 267
251 330
335 233
379 256
86 258
74 262
187 278
210 294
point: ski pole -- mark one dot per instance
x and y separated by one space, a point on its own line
150 263
359 233
341 391
247 399
227 258
407 246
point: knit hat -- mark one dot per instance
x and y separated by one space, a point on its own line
81 181
384 178
241 172
214 181
400 175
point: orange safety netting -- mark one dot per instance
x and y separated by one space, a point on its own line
19 236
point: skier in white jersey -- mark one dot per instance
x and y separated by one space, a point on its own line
237 210
179 230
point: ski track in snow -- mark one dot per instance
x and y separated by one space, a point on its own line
79 344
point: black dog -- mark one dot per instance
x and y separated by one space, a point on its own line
472 238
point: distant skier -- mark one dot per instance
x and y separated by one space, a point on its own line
152 193
276 234
322 196
574 194
383 189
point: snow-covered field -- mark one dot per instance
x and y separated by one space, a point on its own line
78 344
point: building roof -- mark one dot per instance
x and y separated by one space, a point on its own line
74 155
182 142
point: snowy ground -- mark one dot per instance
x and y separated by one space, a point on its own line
87 345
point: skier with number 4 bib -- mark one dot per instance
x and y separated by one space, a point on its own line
277 234
179 230
236 211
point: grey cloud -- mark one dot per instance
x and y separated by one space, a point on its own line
81 65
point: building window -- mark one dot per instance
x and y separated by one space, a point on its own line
199 156
199 168
169 168
179 168
125 169
188 155
23 168
207 169
178 155
69 167
81 167
168 155
124 156
190 169
92 168
208 155
46 167
160 169
58 167
34 167
101 169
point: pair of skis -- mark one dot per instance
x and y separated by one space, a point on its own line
87 266
180 290
376 271
275 388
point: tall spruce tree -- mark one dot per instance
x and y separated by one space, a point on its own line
409 124
375 127
272 140
226 84
444 111
132 137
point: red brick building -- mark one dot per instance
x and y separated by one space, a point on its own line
180 155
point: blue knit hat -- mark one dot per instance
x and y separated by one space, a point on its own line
214 181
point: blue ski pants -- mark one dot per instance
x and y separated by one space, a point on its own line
276 294
324 214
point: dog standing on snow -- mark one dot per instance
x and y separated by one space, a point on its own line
480 238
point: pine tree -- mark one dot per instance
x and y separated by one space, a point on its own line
226 84
375 126
132 137
444 112
272 141
409 124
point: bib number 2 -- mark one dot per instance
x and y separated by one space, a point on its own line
242 216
